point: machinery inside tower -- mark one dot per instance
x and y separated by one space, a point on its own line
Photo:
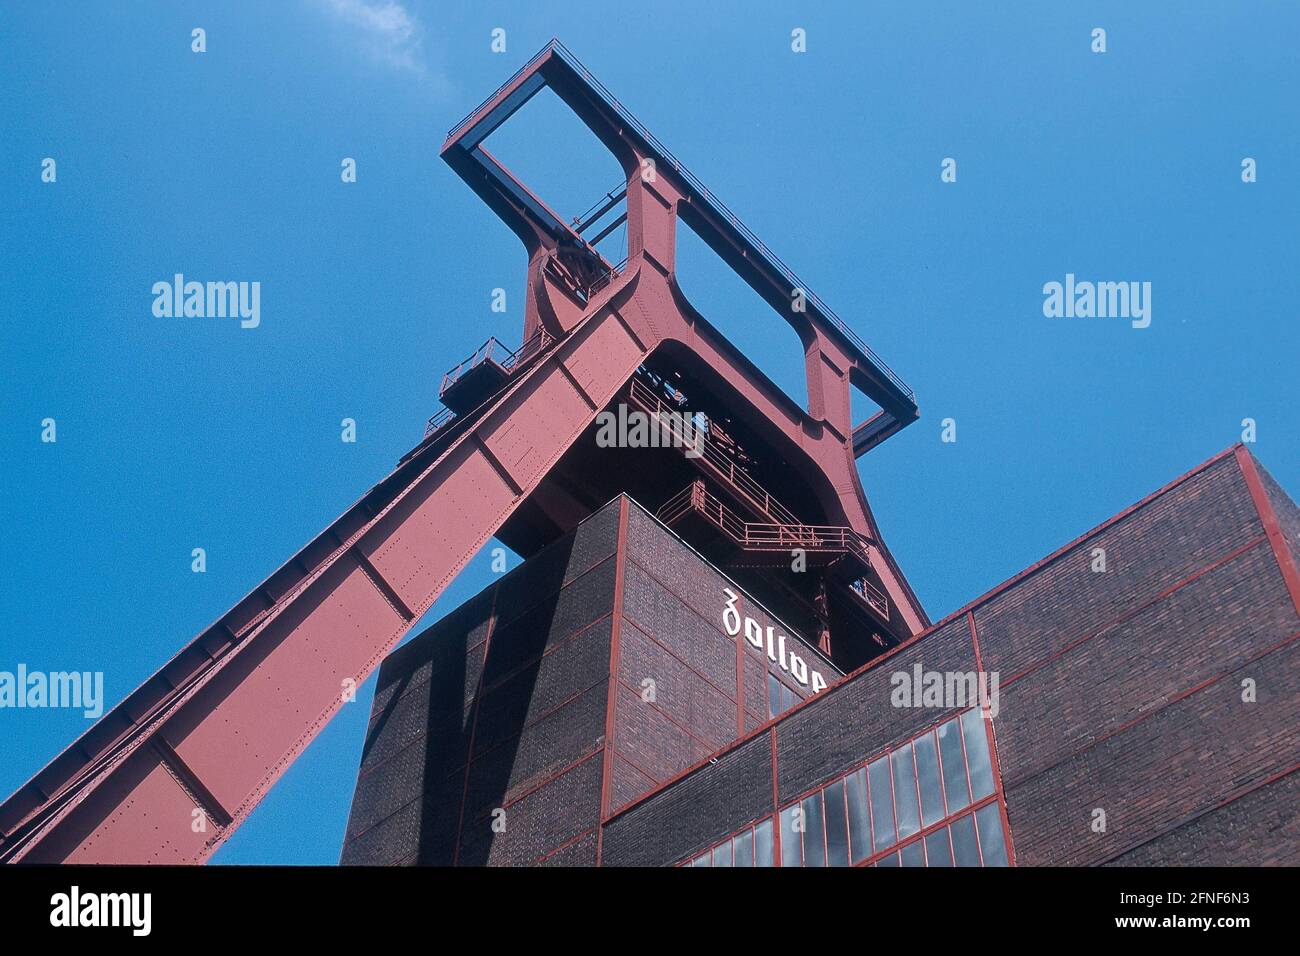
682 448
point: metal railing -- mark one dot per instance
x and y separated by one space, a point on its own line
677 505
604 203
606 277
493 351
437 421
655 406
771 536
872 595
711 200
502 88
762 536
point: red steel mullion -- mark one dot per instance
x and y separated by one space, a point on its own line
871 812
932 829
916 780
848 830
826 839
979 843
893 802
965 760
938 757
776 807
993 750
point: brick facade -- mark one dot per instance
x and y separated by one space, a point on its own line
1158 691
505 704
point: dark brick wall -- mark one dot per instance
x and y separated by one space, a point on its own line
856 721
419 719
1262 827
1158 545
842 728
504 704
712 801
534 706
1127 696
1288 515
673 635
1120 690
1210 626
1180 763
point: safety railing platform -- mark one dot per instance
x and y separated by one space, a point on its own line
466 385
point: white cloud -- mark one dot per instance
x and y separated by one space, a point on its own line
385 30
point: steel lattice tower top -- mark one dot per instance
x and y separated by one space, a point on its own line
513 456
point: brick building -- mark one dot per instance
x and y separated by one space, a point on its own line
620 700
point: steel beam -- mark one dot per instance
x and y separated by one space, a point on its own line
169 773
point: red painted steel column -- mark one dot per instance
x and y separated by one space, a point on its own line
993 749
611 706
1268 517
224 726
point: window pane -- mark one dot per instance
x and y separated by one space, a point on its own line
913 854
763 844
909 819
773 696
704 859
927 770
814 836
743 847
791 844
891 860
859 816
722 854
882 802
977 753
837 831
936 849
964 848
992 845
788 698
954 766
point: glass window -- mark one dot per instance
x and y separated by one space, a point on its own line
937 852
927 772
992 845
814 834
743 848
837 831
876 809
913 854
702 860
859 815
965 849
788 698
977 753
791 845
905 805
954 766
882 802
773 695
722 854
763 844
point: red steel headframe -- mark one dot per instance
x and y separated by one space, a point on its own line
170 772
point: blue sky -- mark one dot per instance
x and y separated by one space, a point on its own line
183 433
